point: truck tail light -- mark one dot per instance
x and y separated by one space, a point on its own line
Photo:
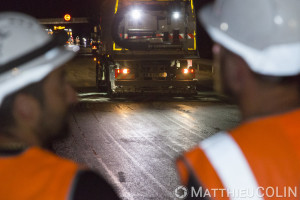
192 70
185 71
188 72
117 72
124 71
193 73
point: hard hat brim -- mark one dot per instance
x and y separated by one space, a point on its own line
35 70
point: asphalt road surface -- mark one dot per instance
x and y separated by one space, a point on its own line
134 142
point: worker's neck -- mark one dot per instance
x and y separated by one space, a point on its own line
262 103
17 137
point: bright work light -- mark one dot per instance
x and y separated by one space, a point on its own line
176 15
136 14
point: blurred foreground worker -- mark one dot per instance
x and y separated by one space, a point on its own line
34 103
257 46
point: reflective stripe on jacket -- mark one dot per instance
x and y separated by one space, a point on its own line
258 160
36 174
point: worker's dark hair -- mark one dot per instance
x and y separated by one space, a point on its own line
6 108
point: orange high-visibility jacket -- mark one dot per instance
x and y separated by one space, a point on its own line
36 174
260 157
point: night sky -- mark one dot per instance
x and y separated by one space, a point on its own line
53 8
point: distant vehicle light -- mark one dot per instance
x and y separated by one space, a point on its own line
94 47
176 15
185 71
59 28
67 17
95 59
192 71
136 14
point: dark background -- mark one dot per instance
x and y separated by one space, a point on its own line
53 8
93 9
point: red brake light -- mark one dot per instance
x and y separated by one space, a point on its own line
117 72
122 72
192 71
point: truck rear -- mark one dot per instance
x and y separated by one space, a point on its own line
154 47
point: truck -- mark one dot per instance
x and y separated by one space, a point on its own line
153 48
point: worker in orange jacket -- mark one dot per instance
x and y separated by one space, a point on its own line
34 104
257 54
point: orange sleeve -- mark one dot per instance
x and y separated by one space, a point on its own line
182 171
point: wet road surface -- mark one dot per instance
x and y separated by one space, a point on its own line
134 142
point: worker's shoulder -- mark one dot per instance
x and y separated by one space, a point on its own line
216 143
46 158
211 142
273 129
199 159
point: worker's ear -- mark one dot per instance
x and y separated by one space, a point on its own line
236 73
26 109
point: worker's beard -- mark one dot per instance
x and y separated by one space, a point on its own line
54 128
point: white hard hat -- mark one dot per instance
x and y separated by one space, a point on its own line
265 33
27 52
